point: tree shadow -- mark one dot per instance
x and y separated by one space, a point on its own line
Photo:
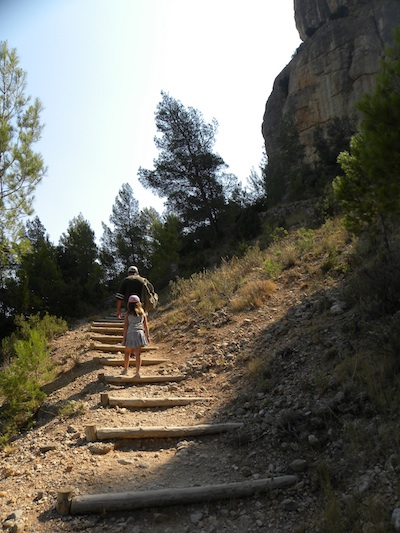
213 456
65 378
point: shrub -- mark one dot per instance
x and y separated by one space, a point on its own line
21 380
50 326
271 268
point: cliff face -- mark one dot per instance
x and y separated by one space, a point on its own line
343 42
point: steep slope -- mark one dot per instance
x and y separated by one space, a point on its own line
270 368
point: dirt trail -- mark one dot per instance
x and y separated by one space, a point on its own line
214 358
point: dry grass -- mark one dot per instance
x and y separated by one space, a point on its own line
71 408
207 291
246 282
252 295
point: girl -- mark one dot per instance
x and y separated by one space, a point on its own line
136 333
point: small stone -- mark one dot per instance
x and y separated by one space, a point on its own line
196 518
396 519
363 485
100 448
15 515
10 472
47 447
392 462
313 440
245 521
39 496
289 505
298 465
336 309
246 471
125 462
160 518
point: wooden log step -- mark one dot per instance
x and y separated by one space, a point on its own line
67 503
94 433
101 347
106 331
140 403
118 323
121 380
107 339
109 318
113 361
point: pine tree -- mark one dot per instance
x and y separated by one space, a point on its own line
370 189
21 169
187 172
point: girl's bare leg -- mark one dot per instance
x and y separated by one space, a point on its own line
138 356
126 360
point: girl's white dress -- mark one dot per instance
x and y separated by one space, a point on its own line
135 336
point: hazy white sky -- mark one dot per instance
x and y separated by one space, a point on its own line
99 66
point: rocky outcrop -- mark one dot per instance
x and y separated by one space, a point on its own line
343 43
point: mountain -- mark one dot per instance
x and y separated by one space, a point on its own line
343 44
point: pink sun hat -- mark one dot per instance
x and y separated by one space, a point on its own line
133 298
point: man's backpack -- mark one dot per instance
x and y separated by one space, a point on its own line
149 297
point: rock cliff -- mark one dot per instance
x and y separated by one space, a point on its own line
343 42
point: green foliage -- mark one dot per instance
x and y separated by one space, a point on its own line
329 141
305 238
255 190
271 268
167 242
327 206
247 224
21 379
49 326
78 253
78 250
187 172
278 234
21 169
370 189
129 240
27 366
375 287
38 285
288 177
286 173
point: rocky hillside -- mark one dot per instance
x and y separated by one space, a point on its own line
336 64
271 369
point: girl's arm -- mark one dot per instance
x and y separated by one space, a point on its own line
146 327
125 329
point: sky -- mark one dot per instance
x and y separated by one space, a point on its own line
99 66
